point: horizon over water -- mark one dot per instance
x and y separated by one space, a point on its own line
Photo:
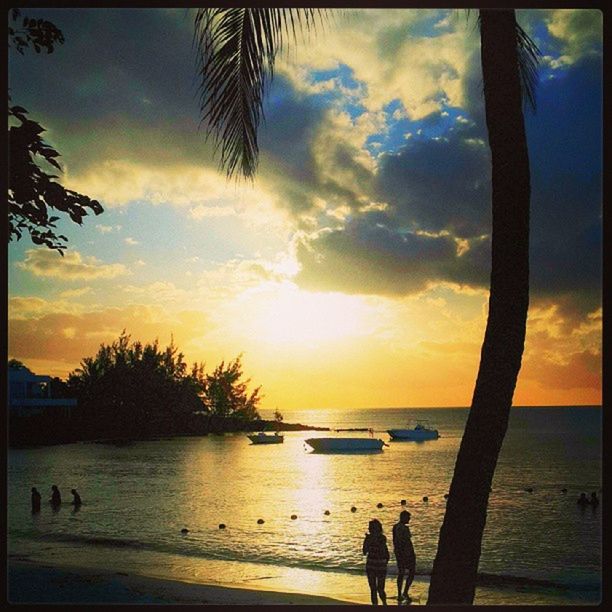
137 498
270 410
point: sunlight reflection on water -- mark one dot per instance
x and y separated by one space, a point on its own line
148 492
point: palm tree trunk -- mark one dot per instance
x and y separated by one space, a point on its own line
455 567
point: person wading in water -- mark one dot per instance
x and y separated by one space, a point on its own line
56 498
35 500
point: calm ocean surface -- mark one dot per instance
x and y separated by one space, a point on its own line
137 498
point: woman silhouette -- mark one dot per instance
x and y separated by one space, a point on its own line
375 547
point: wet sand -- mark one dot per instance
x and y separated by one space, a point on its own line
46 582
36 584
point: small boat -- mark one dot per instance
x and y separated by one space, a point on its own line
421 431
340 445
264 438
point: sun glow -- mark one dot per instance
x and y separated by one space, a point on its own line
281 314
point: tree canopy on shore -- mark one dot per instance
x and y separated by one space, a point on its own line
140 387
225 395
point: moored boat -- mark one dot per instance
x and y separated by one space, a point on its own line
335 445
421 431
263 438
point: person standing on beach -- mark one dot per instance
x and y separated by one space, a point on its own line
56 498
404 554
375 547
35 500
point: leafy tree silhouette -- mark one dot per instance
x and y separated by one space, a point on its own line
226 395
16 364
33 192
135 389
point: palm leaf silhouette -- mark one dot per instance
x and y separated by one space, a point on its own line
237 48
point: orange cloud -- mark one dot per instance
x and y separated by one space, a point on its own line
562 362
60 340
43 262
26 307
582 370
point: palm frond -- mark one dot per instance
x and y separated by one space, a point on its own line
528 61
528 58
237 48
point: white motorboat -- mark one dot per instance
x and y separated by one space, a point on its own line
264 438
343 445
421 431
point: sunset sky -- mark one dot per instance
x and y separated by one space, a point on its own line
354 271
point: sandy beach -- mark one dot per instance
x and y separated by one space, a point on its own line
38 582
35 583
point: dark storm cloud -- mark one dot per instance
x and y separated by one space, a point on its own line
473 94
110 62
443 185
302 166
286 142
371 255
439 184
565 144
352 193
288 129
122 86
436 191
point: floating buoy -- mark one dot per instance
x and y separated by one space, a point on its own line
403 502
529 490
563 490
353 509
379 505
326 513
222 526
425 498
260 521
184 530
293 517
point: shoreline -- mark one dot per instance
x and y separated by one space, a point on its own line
36 583
23 440
49 580
138 499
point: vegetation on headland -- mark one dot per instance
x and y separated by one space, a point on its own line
130 391
142 387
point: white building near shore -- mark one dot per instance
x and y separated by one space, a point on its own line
30 394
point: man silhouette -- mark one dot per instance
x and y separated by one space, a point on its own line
404 554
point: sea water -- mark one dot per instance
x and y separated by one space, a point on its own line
138 498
